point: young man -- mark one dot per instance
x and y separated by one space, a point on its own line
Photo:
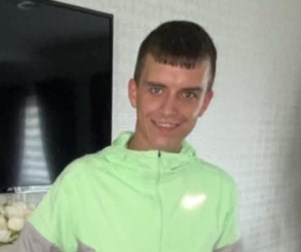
148 191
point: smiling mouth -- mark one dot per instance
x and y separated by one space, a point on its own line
166 125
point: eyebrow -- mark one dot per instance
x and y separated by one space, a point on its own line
192 88
157 84
196 89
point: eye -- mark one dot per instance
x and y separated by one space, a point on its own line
156 90
189 95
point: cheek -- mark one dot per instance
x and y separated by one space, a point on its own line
191 111
142 113
147 105
196 113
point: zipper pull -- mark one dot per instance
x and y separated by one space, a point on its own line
159 153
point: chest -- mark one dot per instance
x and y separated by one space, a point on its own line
170 216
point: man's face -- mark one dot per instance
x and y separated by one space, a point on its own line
169 100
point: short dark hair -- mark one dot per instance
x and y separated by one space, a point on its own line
178 43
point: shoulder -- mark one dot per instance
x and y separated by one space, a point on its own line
83 167
215 172
217 181
207 170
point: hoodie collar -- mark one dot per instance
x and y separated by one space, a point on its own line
167 161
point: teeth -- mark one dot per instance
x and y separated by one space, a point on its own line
166 125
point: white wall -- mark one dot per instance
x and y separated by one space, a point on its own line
253 127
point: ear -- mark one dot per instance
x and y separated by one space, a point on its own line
206 102
132 92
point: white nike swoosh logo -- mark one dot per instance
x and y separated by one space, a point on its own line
193 201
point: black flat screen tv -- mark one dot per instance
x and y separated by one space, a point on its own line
55 89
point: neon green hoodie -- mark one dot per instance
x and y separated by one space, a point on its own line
120 200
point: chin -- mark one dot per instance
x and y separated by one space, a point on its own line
167 146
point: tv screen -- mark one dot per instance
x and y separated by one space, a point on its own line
55 89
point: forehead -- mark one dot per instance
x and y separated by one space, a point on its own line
175 76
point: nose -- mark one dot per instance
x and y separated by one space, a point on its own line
169 105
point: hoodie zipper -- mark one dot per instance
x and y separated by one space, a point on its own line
159 201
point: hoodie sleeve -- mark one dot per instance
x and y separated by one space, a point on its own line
50 227
229 238
30 240
53 219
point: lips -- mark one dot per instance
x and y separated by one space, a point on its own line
166 125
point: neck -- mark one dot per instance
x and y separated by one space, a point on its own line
139 145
